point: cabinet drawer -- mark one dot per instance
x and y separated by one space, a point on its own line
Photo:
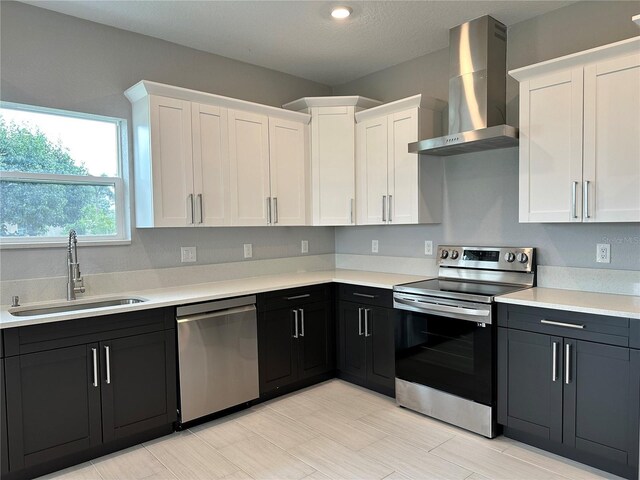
595 328
366 295
293 297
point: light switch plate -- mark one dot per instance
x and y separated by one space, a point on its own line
428 247
248 250
304 246
603 253
187 254
374 246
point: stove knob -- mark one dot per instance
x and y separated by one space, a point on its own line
509 257
522 258
444 254
454 254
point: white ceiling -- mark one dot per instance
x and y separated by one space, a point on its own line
300 37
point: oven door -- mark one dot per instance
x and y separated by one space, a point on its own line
447 345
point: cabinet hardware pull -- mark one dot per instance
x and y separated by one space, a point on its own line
275 210
567 364
360 321
268 210
384 207
201 212
296 297
554 369
295 323
365 295
190 198
351 213
367 332
562 324
302 322
586 199
94 352
389 208
107 358
574 194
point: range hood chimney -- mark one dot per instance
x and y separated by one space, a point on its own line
477 91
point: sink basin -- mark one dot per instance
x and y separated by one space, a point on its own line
73 306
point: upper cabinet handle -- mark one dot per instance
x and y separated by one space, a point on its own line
275 210
268 210
190 200
586 199
574 194
384 208
389 208
351 213
200 206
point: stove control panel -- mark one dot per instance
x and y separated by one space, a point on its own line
518 259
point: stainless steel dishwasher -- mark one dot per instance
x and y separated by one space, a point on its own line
217 356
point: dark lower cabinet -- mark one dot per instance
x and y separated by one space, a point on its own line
4 441
575 397
295 338
72 397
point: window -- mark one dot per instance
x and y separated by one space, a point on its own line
60 170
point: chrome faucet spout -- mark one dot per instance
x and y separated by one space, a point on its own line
74 277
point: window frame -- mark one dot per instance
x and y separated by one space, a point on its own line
119 183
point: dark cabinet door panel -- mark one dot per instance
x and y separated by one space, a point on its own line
277 351
352 355
53 404
314 352
380 337
4 450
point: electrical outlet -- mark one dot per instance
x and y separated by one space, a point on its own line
187 254
248 250
428 247
374 246
304 246
603 253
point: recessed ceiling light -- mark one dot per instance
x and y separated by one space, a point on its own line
341 12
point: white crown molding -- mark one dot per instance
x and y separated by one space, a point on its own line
337 101
415 101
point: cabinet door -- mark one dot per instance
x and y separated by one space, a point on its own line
551 148
249 164
379 332
53 404
277 349
138 383
4 450
403 168
530 383
612 140
333 165
210 165
371 168
171 153
352 355
315 352
601 401
288 168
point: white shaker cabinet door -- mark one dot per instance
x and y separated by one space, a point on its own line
172 169
551 147
403 176
612 140
333 165
210 165
249 168
288 169
371 171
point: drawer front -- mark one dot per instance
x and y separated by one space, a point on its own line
366 295
595 328
634 331
293 297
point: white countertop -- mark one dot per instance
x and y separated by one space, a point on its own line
208 291
627 306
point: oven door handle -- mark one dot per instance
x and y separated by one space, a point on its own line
436 307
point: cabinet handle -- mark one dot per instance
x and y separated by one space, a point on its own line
107 358
296 297
384 207
295 323
574 194
360 321
365 295
190 199
554 368
567 371
268 210
586 199
94 352
275 210
389 208
200 205
367 332
351 213
302 322
562 324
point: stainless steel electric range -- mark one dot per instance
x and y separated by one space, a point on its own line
446 333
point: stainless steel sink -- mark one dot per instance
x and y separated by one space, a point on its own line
73 306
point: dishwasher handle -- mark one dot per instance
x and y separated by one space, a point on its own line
216 314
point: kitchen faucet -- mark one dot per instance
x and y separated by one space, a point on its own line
74 277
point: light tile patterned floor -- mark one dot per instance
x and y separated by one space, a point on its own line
332 430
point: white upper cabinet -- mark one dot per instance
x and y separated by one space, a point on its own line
580 136
394 186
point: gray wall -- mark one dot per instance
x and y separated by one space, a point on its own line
58 61
481 190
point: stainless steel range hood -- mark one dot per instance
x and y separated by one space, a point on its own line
477 90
